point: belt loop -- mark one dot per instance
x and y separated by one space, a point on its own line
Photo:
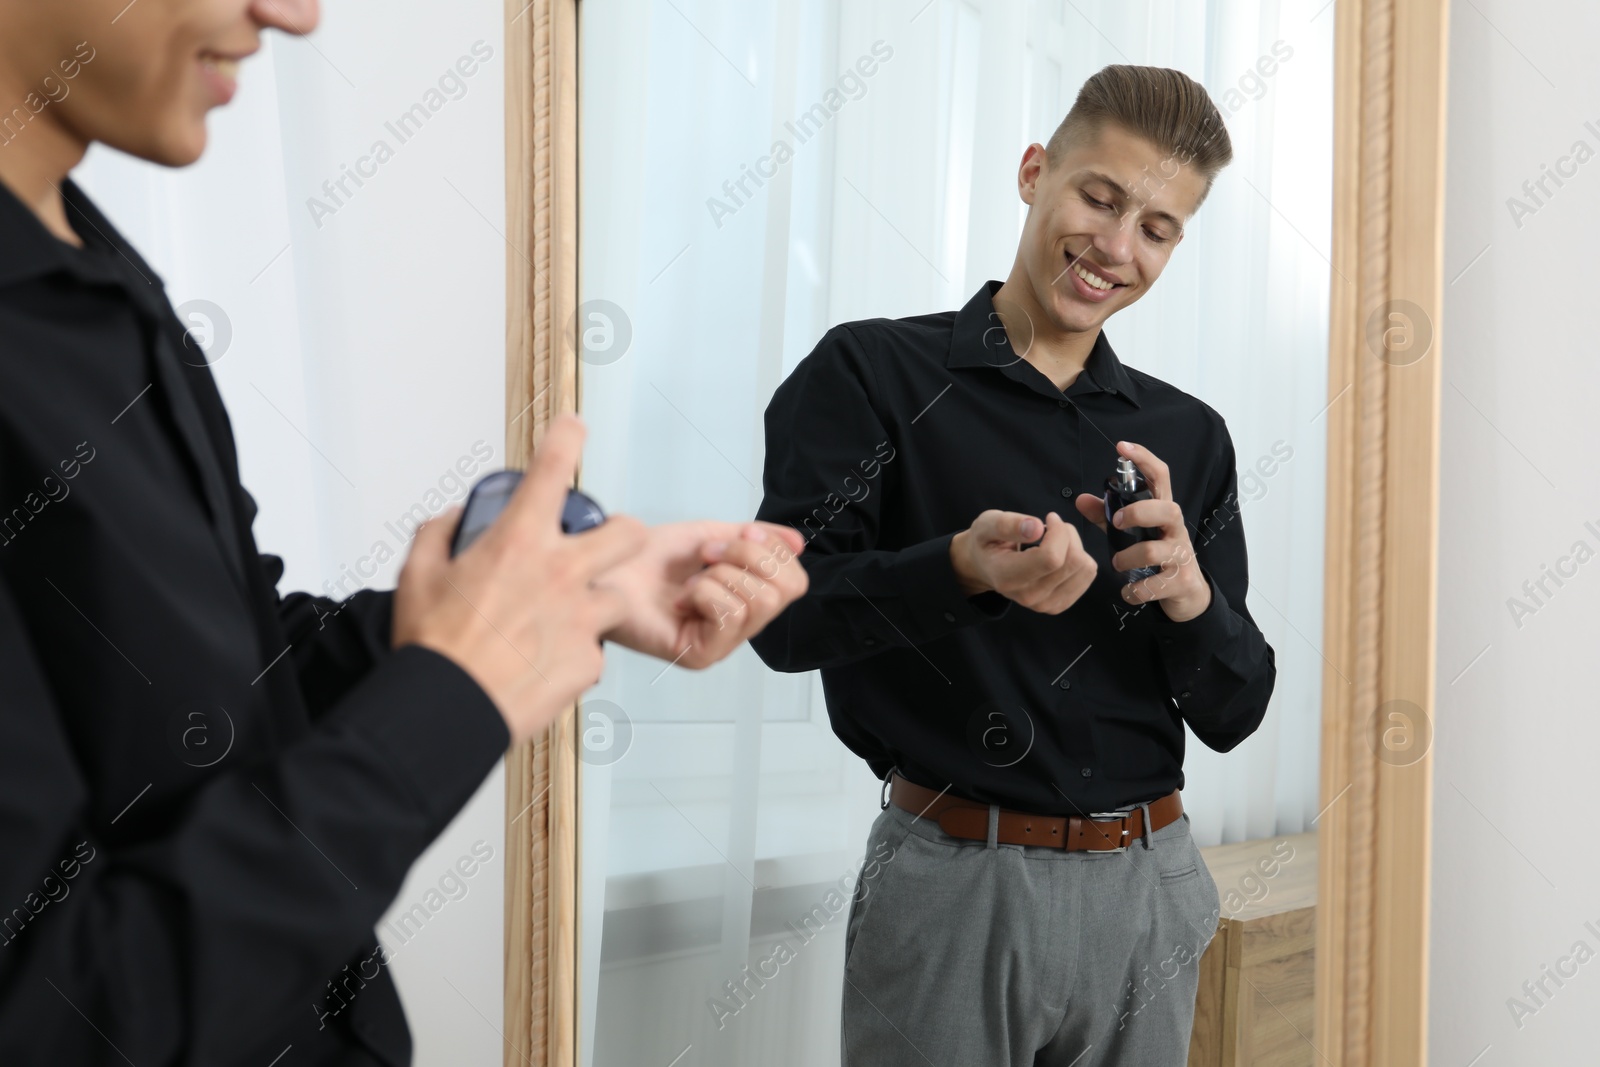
888 781
1148 831
994 826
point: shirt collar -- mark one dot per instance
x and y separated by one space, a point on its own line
979 340
28 250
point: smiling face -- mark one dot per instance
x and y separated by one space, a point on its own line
1103 219
146 73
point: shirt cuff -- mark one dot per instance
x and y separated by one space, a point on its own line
936 605
1186 647
433 724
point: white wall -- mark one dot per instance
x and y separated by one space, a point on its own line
366 358
1515 866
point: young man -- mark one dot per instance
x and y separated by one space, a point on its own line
209 793
985 653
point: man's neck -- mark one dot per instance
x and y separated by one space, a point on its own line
1057 354
36 158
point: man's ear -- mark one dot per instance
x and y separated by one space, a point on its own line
1034 162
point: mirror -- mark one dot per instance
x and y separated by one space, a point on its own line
752 176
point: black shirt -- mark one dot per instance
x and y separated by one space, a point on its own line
890 438
209 793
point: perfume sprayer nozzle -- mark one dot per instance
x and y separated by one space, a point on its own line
1127 475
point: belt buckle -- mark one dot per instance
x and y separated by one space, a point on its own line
1111 816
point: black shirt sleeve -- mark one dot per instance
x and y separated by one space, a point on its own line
202 940
332 643
830 464
1218 664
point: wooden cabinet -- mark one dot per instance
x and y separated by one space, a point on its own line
1254 1006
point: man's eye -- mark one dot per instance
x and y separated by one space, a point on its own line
1159 239
1096 203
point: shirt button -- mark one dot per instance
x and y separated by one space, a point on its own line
1066 491
949 616
1184 694
870 641
1063 403
1087 773
1065 684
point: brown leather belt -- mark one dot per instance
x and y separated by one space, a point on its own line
960 817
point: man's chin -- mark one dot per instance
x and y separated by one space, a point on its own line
188 148
178 146
1071 315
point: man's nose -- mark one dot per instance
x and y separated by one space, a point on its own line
1115 239
291 16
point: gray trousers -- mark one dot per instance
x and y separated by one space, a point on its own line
961 953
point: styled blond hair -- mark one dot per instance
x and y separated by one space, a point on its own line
1164 106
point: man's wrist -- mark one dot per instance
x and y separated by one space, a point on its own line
1183 609
970 583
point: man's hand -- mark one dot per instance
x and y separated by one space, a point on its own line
1048 578
682 612
520 610
1181 588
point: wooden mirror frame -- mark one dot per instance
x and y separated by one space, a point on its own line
1382 507
1380 574
541 902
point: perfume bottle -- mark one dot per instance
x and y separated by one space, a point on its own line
1123 488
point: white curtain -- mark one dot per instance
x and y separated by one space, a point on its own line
734 807
361 355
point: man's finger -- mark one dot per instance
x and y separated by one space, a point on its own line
1158 553
1158 586
1152 514
1080 574
1037 594
765 560
1023 570
539 498
1092 508
1154 471
1061 537
716 597
1069 547
1012 526
618 539
788 534
431 545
